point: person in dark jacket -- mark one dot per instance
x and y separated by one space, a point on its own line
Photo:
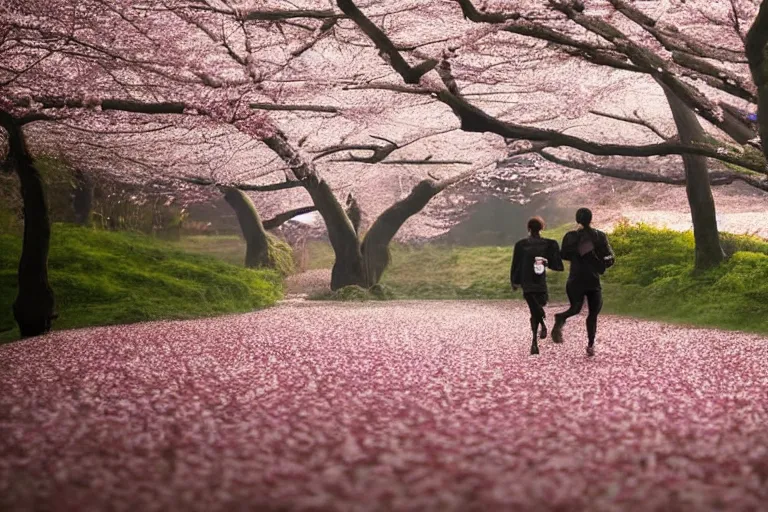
530 260
590 254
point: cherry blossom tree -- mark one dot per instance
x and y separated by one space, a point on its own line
195 68
575 33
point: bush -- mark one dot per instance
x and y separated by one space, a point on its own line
281 256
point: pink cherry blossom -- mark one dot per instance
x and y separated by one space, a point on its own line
387 406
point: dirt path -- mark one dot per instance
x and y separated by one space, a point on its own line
389 406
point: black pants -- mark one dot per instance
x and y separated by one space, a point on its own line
536 302
576 297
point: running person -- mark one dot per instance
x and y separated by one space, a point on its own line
529 261
590 254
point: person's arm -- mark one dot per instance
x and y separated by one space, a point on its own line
569 248
555 262
603 253
514 272
609 249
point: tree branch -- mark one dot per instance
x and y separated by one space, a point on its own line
634 120
718 77
716 178
327 25
653 64
139 107
243 186
378 152
474 119
673 39
472 14
281 15
426 161
411 75
306 108
388 87
280 219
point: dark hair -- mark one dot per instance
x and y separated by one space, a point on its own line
536 224
584 217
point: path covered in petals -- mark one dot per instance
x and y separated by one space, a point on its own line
387 406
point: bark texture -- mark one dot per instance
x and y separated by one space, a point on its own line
256 240
375 249
709 252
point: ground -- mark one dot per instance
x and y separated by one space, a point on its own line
383 406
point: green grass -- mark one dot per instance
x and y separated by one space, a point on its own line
316 255
653 278
228 248
102 278
231 249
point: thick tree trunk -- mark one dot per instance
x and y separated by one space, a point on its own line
709 252
82 198
34 305
256 240
348 268
376 255
355 264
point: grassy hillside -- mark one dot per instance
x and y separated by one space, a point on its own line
653 278
104 278
231 249
228 248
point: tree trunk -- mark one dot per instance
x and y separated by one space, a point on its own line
757 54
355 264
375 249
82 198
709 252
348 268
256 240
34 305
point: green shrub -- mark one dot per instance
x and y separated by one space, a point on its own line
281 256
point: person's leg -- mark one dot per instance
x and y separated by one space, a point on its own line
576 300
543 298
595 305
536 318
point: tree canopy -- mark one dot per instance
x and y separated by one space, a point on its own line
376 96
